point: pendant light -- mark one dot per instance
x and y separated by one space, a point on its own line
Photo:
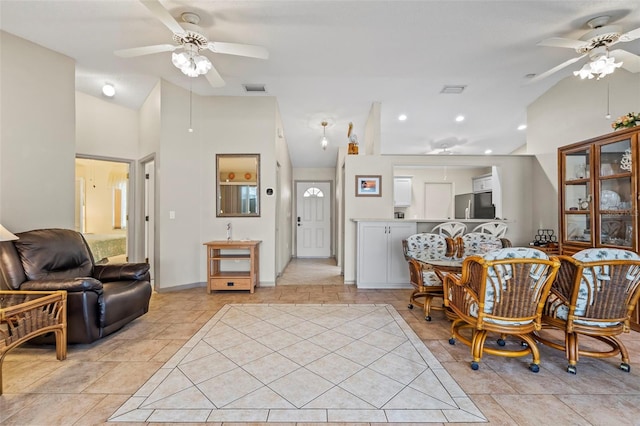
324 142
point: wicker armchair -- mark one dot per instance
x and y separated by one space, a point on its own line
450 229
504 293
594 295
418 250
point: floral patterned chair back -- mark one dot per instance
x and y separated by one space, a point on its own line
594 295
479 243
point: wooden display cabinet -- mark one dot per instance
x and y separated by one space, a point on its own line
224 253
598 199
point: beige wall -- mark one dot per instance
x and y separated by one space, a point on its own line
571 111
37 136
105 129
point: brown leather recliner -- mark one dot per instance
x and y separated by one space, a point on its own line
101 299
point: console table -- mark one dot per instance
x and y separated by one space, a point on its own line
224 253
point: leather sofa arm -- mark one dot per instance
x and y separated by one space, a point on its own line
121 272
72 285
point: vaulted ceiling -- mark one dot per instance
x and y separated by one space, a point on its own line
330 60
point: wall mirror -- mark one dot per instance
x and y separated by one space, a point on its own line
238 185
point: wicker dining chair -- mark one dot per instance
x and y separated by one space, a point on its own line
418 250
594 296
478 243
499 229
450 229
502 292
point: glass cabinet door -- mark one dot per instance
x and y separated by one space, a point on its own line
577 196
615 195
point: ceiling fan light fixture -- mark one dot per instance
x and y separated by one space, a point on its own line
190 63
599 67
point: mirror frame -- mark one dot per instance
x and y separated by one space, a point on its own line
221 170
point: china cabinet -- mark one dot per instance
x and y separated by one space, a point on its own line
597 189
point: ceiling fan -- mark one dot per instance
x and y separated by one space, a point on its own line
190 38
444 146
595 44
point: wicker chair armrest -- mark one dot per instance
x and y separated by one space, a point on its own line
121 271
70 285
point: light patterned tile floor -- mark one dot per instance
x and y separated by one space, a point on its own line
96 380
380 376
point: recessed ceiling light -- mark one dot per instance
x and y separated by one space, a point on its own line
108 90
460 118
402 117
488 151
522 127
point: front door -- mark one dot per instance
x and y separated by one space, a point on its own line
313 219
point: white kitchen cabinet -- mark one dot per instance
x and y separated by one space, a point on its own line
402 191
381 262
482 183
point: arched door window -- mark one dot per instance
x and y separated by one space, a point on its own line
313 192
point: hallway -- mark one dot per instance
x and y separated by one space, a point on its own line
311 272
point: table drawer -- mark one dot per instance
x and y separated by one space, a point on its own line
231 283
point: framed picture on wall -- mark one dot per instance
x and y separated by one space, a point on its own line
368 186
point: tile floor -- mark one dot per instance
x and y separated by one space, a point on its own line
302 362
96 380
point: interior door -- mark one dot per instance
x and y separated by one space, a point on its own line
438 200
313 219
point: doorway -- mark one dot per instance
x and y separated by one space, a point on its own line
438 200
313 219
102 207
149 191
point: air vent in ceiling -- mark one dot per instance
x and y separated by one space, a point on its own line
254 88
453 90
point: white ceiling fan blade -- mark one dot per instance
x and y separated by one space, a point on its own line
163 15
631 35
145 50
630 61
562 42
214 77
248 50
555 69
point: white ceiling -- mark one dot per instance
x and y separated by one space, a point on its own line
333 59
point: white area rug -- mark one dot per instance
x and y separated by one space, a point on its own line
302 363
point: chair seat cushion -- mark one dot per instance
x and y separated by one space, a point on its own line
431 279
